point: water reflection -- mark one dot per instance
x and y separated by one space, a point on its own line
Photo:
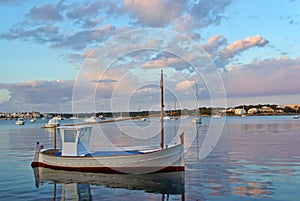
77 185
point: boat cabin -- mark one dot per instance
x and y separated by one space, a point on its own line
75 140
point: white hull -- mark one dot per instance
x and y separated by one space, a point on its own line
47 125
52 123
20 121
162 160
92 120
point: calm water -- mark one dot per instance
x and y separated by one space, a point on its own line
256 158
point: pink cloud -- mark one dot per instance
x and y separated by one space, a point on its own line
274 76
214 44
184 85
242 45
163 62
156 13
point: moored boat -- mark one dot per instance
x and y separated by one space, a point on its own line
52 123
20 121
91 119
76 156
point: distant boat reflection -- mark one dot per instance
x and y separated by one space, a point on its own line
77 184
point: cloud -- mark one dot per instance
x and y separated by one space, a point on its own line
184 85
90 10
214 44
155 13
42 34
43 93
47 12
4 95
274 76
86 24
207 12
237 47
161 62
84 38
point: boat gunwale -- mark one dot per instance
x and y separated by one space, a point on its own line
146 152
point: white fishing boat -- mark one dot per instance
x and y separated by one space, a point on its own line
76 156
74 117
32 120
58 118
20 121
101 117
197 119
91 119
52 123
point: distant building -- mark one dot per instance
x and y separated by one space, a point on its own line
266 109
252 111
239 111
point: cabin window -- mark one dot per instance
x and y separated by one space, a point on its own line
69 135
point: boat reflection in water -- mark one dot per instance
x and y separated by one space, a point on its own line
76 185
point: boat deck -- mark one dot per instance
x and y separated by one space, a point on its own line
108 153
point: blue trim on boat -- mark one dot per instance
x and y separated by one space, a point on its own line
109 153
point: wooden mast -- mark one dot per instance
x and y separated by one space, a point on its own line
161 110
54 143
197 107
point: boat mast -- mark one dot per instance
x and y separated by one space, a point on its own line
161 110
197 107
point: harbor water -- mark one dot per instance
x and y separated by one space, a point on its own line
255 158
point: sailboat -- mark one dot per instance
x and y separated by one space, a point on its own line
197 118
75 155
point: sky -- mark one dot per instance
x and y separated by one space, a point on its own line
83 56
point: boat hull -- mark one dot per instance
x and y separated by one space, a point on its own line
163 160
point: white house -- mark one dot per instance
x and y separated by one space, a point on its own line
252 111
239 111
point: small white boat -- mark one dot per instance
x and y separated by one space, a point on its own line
295 117
102 117
91 119
52 123
197 120
58 118
74 117
32 120
20 121
143 119
76 156
167 117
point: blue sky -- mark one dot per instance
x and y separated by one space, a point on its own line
47 46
